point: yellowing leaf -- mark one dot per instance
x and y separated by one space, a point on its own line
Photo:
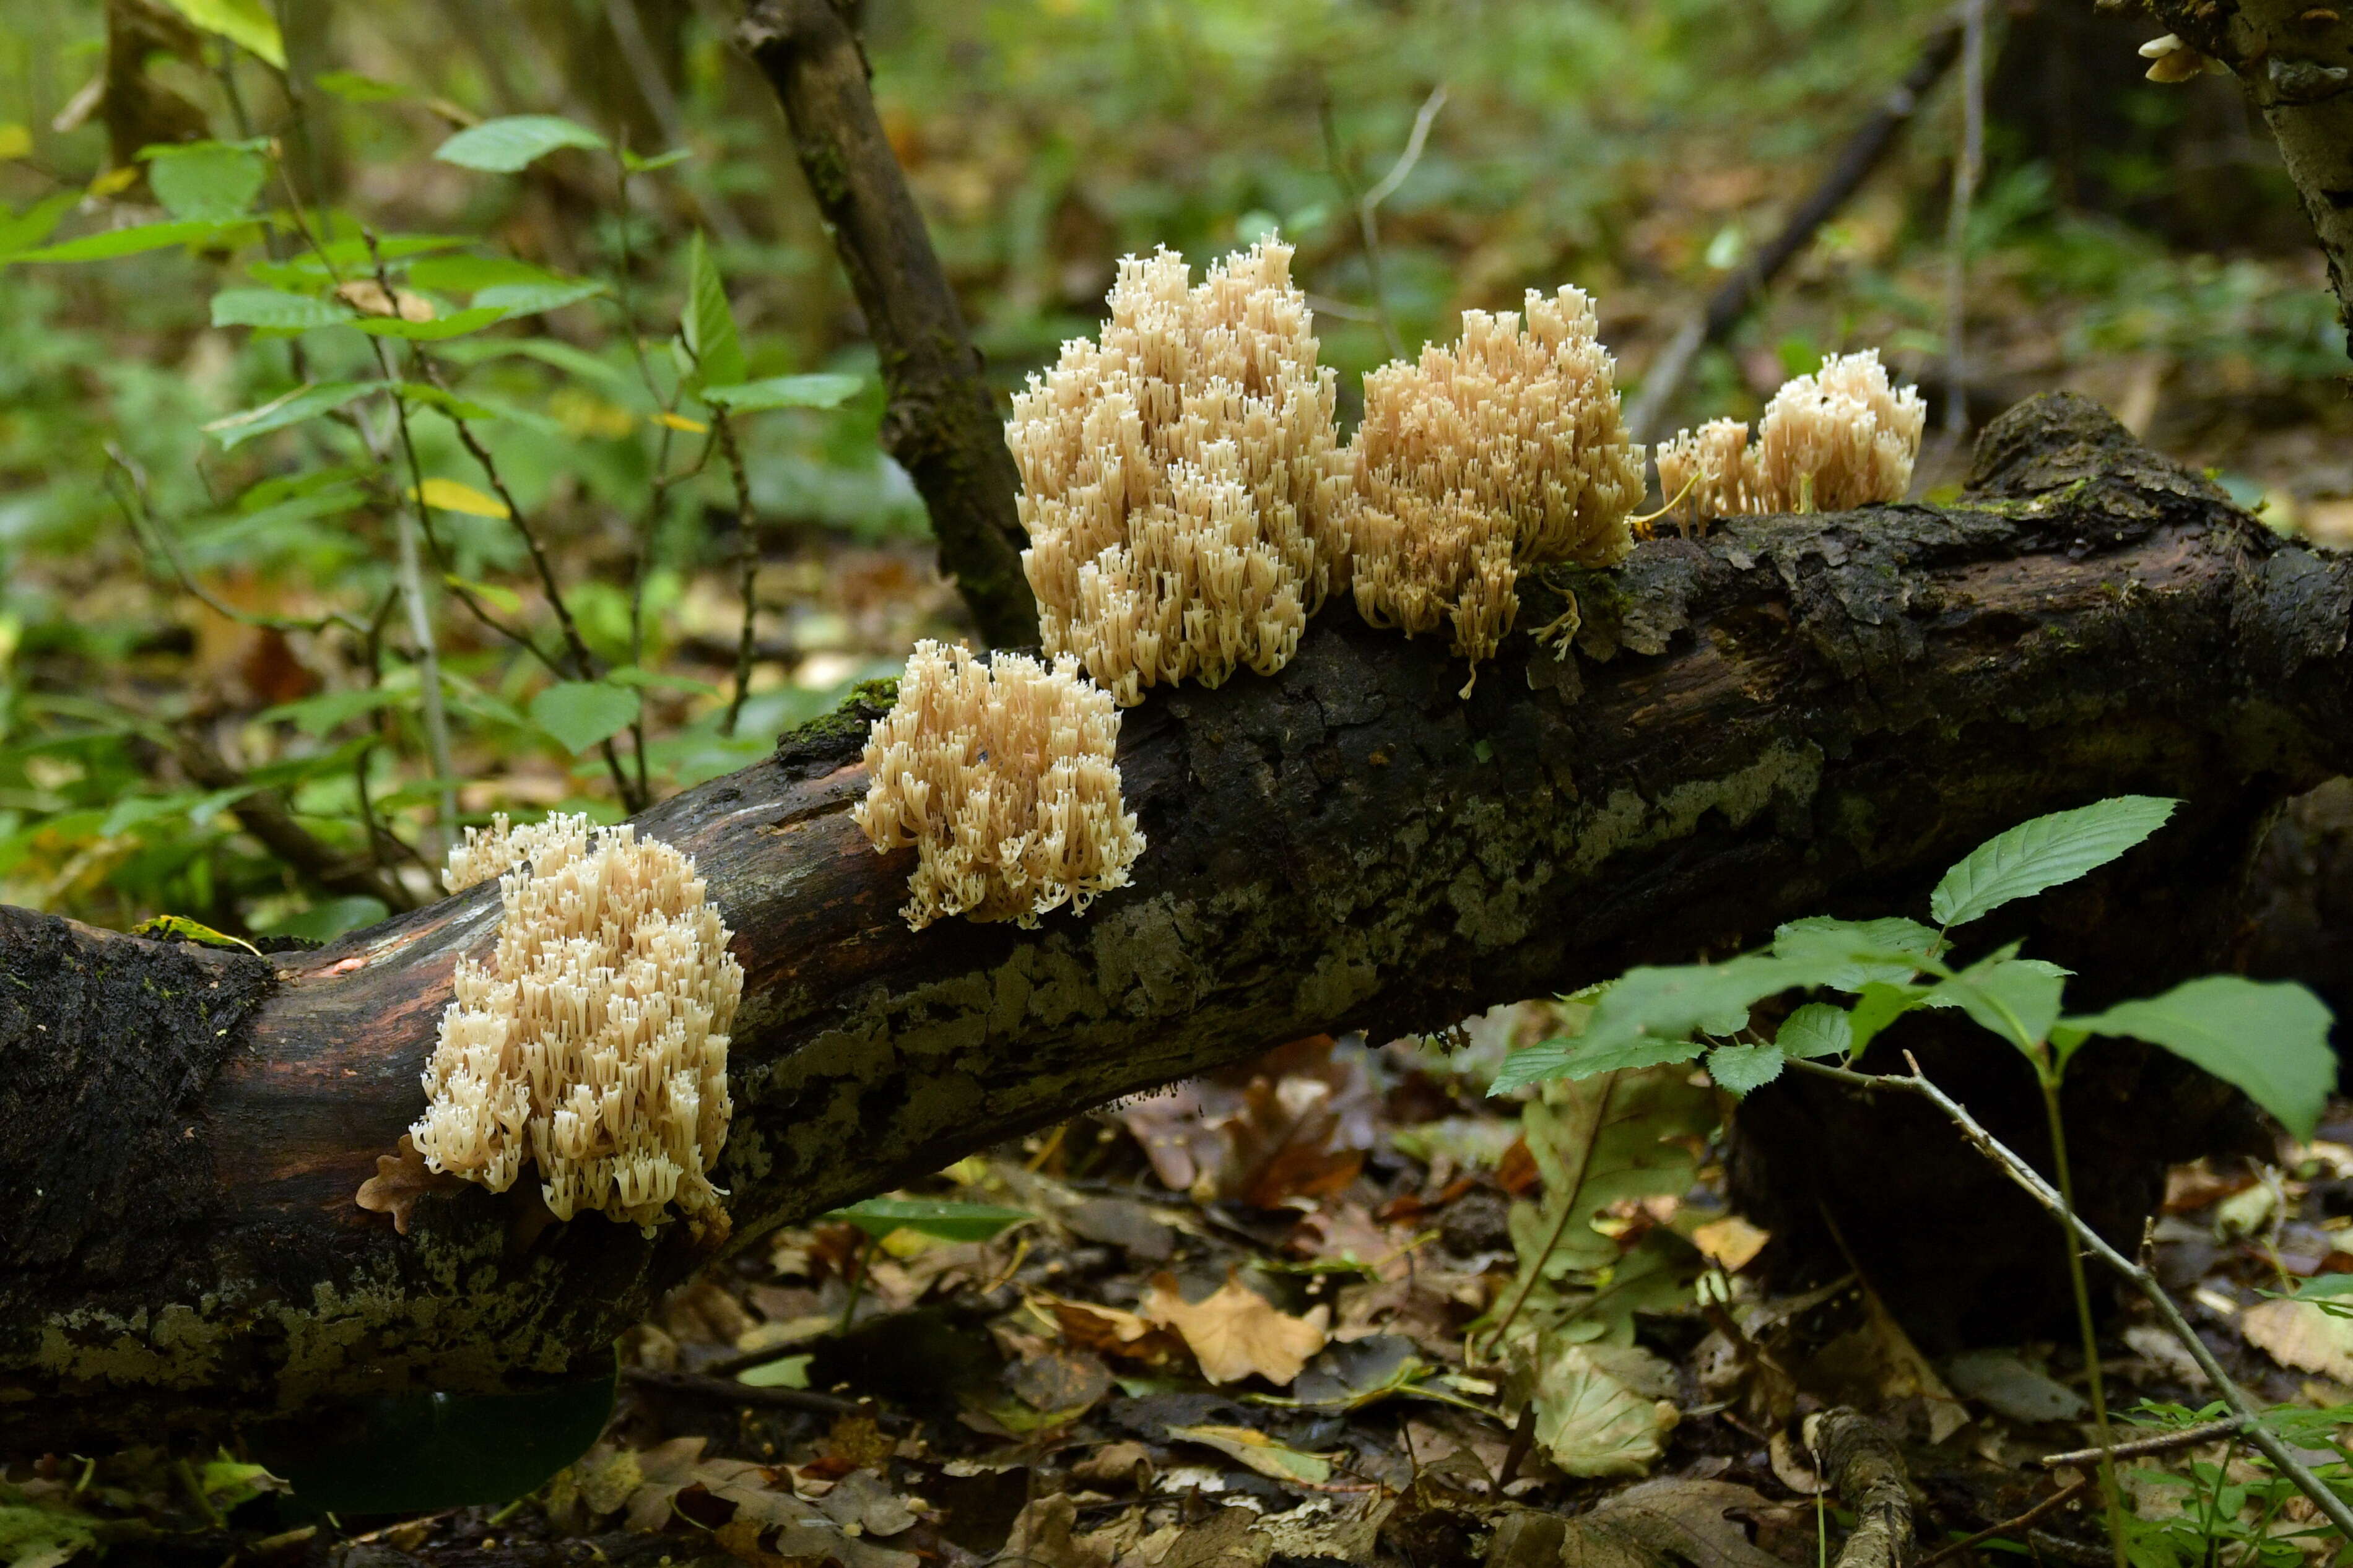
187 930
16 141
448 495
113 179
2300 1335
1237 1331
1730 1242
1260 1452
680 422
245 23
1589 1422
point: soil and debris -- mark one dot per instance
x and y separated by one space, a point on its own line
1289 1313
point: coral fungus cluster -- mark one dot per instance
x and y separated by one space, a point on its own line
593 1046
1501 451
1839 438
1179 482
1003 777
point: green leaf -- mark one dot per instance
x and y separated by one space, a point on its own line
1816 1029
708 325
503 146
2269 1038
784 1372
2044 853
1878 1005
1597 1143
32 1535
939 1217
342 257
274 307
426 394
562 356
531 299
2017 998
419 1453
464 274
210 180
822 391
451 326
36 222
316 716
1739 1069
354 88
132 241
288 408
636 165
1853 953
248 24
331 918
1650 1016
1253 1448
187 929
579 713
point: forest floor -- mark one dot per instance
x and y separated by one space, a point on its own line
1252 1317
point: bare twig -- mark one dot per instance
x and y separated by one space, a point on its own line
2048 1505
2163 1443
1368 206
747 559
940 421
1966 164
1737 294
2026 1176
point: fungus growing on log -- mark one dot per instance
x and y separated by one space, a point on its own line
1003 777
1840 439
1503 451
593 1043
1180 481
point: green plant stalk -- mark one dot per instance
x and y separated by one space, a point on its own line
1568 1211
2049 1081
857 1283
2334 1508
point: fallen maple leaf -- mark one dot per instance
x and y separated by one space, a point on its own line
1237 1331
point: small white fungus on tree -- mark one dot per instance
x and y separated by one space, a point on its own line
1003 777
593 1046
1502 451
1840 439
1180 482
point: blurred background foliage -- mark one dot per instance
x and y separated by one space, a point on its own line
213 696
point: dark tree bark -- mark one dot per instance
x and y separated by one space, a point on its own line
1791 716
942 423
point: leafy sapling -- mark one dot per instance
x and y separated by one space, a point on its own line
2268 1039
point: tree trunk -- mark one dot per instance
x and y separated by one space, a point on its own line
1792 716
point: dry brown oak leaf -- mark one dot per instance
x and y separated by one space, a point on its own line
1237 1331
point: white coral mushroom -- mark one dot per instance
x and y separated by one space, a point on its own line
1840 439
1178 477
1502 451
1002 776
593 1046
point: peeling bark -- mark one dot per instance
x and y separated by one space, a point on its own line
1793 715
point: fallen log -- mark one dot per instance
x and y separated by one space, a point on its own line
1793 715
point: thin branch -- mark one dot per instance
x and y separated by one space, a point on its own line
1966 164
2250 1418
747 557
637 53
2164 1443
1368 208
2048 1505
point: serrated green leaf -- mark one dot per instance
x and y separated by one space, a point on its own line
2269 1038
288 408
464 274
579 713
1571 1057
248 24
1740 1070
1877 1005
504 146
1816 1029
707 327
275 307
2017 998
456 324
532 299
939 1217
2044 853
132 241
1853 953
208 180
1651 1015
820 390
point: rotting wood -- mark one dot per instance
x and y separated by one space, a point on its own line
1789 716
